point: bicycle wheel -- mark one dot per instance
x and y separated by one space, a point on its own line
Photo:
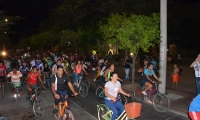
87 81
57 115
161 102
83 90
17 99
100 94
39 108
68 115
139 97
104 113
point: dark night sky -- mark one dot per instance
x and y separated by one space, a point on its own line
32 13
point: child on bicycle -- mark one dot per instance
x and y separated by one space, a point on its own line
112 89
146 79
15 80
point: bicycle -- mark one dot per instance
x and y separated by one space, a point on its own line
104 113
81 87
86 80
161 102
100 96
63 110
36 103
16 94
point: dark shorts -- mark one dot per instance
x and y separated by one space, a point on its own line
33 86
142 82
2 79
63 97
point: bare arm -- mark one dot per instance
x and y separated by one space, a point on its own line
84 70
192 65
122 92
39 78
53 88
156 77
106 74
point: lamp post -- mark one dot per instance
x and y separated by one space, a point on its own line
163 45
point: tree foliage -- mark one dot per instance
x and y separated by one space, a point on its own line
131 32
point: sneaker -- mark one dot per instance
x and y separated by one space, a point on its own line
144 93
55 110
149 101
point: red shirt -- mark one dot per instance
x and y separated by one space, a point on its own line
33 78
2 70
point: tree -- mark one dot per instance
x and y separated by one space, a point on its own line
68 37
45 39
132 32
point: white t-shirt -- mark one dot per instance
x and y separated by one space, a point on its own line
113 89
197 69
7 64
15 78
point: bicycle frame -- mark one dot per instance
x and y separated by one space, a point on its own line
62 106
150 92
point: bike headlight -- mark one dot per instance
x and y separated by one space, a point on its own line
15 95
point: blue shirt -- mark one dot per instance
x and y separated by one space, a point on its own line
149 73
195 104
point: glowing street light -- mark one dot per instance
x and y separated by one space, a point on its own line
3 53
6 20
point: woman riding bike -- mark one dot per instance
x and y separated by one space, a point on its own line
106 75
78 68
112 89
146 79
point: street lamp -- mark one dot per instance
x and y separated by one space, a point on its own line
3 53
6 20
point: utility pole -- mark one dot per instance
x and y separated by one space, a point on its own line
163 45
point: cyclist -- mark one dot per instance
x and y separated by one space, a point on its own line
106 75
58 85
112 89
39 65
2 75
146 79
32 81
24 70
78 68
15 79
54 67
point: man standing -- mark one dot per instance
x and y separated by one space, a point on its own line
127 66
196 66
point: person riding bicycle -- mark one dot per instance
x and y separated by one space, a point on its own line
59 83
54 67
15 80
112 90
106 76
2 74
24 70
146 79
78 69
39 65
32 81
194 108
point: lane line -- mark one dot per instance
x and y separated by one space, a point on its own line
83 110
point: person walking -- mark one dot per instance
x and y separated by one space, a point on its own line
196 66
127 66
